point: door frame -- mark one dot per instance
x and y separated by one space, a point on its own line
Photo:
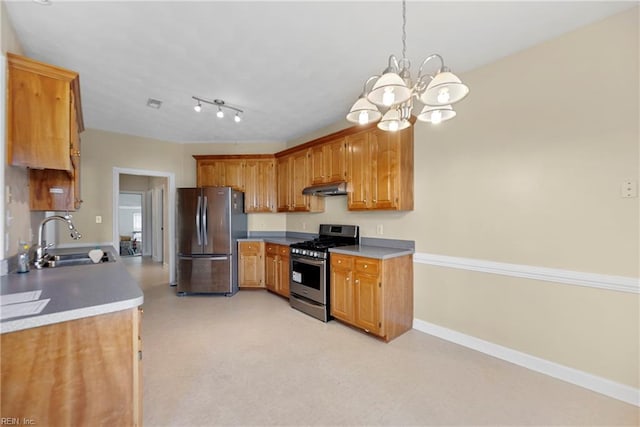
171 194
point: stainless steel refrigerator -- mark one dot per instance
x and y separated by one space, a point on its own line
209 222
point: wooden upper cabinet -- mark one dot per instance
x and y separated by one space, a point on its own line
284 184
380 170
255 175
209 173
293 176
300 161
328 162
260 185
234 174
43 101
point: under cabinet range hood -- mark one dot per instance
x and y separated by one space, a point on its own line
333 189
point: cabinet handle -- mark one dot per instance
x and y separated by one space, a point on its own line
348 279
357 281
366 266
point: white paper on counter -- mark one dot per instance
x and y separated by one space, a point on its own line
23 309
20 297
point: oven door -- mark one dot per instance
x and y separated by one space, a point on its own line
309 278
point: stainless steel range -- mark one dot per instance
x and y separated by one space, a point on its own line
310 275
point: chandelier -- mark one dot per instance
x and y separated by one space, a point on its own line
393 92
220 104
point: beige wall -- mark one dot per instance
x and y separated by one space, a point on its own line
530 173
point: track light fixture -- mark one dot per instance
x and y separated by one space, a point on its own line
393 92
220 104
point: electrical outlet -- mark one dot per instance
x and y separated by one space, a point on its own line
629 189
98 219
380 229
304 225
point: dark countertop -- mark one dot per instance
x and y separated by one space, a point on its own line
74 291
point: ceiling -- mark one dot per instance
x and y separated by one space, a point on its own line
292 66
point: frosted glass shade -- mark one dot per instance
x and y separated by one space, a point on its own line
392 121
445 88
436 114
361 109
389 90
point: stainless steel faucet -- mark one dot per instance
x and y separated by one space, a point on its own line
41 251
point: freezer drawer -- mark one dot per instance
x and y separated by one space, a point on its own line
205 275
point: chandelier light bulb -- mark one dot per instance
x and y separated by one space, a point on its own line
198 107
237 118
444 95
436 117
363 118
393 125
388 98
220 113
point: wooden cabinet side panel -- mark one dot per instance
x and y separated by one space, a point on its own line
71 373
406 192
397 296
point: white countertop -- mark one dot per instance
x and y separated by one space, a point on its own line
74 291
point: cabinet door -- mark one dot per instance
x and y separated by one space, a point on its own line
38 116
299 180
358 166
318 164
210 173
234 174
384 148
336 161
341 288
51 190
250 268
284 271
270 271
260 186
284 183
367 302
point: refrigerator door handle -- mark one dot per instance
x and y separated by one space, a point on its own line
198 229
205 231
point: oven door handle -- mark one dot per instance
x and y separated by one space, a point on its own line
309 261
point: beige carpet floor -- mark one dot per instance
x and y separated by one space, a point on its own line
252 360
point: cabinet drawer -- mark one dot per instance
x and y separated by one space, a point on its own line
367 265
249 246
271 248
342 261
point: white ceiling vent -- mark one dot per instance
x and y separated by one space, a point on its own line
154 103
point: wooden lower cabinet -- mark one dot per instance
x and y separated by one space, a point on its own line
372 294
277 269
81 372
251 266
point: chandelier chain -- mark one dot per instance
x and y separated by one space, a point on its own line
404 29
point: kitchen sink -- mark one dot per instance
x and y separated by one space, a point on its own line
79 258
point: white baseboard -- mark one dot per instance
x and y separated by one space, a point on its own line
583 379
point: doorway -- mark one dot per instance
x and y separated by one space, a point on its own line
146 197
